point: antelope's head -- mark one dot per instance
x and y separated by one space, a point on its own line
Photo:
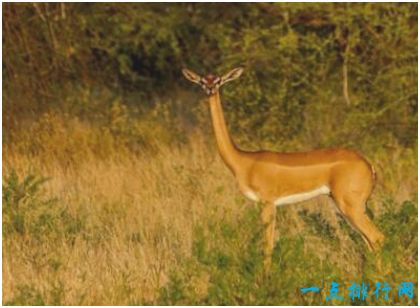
212 83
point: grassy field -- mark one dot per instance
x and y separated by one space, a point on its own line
89 221
113 190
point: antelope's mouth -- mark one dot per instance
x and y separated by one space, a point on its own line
210 91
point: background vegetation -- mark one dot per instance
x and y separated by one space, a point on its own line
113 192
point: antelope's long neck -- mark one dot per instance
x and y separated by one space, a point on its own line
228 151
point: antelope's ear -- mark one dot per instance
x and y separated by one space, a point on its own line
191 76
232 75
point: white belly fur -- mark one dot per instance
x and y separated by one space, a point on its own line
323 190
251 195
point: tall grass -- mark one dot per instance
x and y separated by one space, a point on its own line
90 219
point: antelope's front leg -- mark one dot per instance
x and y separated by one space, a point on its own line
268 217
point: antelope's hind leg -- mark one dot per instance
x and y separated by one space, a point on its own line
353 209
268 217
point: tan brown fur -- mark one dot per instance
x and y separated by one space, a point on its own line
269 176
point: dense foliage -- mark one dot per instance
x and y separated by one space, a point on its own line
352 67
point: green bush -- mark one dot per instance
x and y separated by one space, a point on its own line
227 259
299 59
27 212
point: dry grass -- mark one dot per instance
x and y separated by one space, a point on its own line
136 215
138 212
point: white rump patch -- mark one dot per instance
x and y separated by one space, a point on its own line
323 190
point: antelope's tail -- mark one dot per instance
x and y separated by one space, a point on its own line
374 175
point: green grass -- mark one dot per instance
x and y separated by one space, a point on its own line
230 261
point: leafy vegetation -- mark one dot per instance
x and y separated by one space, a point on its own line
352 67
113 191
234 275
